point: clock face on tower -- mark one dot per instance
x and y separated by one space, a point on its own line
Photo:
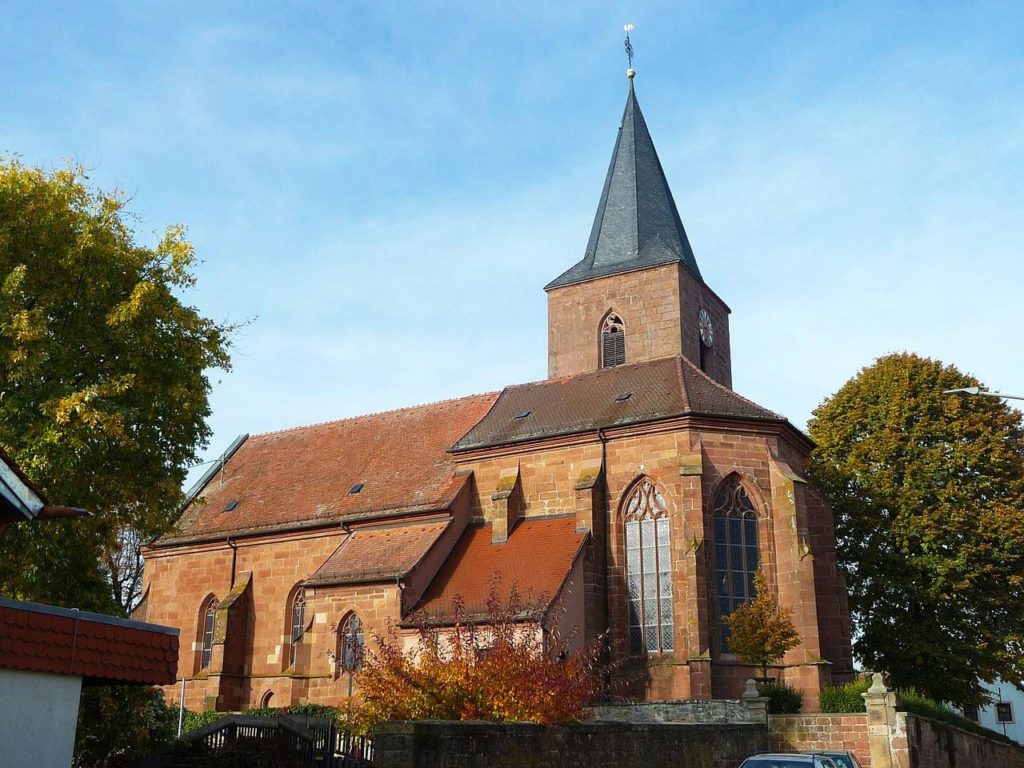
707 332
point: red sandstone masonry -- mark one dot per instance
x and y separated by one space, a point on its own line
659 307
840 732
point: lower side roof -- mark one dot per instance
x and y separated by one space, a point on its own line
533 563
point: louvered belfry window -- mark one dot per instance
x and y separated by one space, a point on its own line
613 341
736 553
298 623
648 570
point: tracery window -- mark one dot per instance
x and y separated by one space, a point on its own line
209 622
350 644
613 341
648 570
736 553
298 623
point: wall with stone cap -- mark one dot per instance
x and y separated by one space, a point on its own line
433 744
690 711
927 743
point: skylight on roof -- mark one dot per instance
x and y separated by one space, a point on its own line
230 506
623 397
356 488
522 414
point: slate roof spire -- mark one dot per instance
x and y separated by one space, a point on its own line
637 224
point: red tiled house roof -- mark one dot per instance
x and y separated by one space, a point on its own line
535 560
619 396
302 477
376 554
101 649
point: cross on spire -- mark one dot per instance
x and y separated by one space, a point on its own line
630 73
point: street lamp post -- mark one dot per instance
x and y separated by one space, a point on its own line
983 391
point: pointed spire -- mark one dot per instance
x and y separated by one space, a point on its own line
637 224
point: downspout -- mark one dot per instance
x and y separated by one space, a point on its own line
234 559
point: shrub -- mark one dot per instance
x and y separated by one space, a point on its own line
119 724
314 710
489 671
782 699
919 704
844 698
195 720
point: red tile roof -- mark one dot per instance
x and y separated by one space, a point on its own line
303 476
535 560
42 638
626 394
376 554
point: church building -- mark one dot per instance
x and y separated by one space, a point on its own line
631 495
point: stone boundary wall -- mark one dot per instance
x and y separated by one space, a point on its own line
933 744
686 711
796 733
434 744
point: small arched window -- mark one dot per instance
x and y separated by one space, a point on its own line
613 341
350 644
648 570
266 700
209 619
736 553
298 623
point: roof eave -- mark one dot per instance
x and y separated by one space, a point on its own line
461 450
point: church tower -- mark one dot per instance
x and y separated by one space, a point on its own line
637 294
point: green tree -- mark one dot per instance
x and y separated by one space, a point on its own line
760 630
103 385
928 495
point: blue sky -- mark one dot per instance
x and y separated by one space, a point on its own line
383 188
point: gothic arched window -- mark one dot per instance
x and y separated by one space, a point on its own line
298 623
209 619
350 644
736 554
613 341
648 570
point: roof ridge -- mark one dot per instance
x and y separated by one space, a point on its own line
583 374
727 390
682 382
373 413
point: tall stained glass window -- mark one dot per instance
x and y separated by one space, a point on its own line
736 553
298 624
648 570
209 621
350 644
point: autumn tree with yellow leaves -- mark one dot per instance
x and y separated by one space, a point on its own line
760 630
103 383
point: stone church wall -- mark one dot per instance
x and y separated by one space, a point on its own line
688 463
646 300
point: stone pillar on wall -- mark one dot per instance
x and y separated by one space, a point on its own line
795 577
508 506
227 662
694 587
881 708
755 703
591 516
